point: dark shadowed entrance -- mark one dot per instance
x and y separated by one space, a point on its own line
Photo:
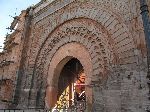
69 78
71 86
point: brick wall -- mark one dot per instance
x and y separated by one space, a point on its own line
114 40
10 62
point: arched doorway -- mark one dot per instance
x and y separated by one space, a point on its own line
69 78
101 51
71 87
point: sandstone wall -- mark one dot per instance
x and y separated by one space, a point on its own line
9 63
117 22
127 80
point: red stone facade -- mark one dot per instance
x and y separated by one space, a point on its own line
106 36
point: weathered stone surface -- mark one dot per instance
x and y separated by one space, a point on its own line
106 36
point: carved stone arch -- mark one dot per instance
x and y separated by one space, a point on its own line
112 42
112 22
61 57
95 40
109 26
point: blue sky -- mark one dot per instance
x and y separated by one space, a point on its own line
10 7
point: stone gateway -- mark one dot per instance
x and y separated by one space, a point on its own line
77 56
